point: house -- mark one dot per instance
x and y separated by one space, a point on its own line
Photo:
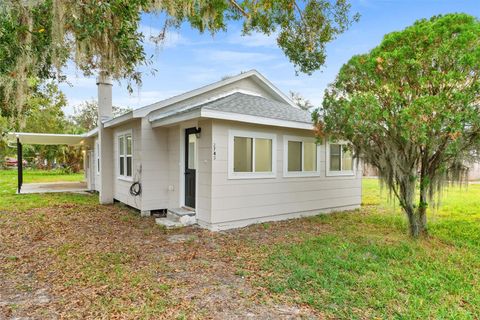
231 153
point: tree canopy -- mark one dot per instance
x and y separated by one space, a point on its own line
85 115
411 108
300 101
37 38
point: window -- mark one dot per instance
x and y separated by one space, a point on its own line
242 154
263 155
192 159
300 156
125 161
251 155
339 159
97 153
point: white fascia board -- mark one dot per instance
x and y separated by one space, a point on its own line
91 133
176 119
213 114
273 88
221 115
118 120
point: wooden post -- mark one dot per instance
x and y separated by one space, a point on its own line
19 165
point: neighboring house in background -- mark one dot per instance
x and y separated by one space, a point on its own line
473 171
232 153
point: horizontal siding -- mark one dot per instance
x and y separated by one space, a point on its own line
284 198
293 185
95 171
237 199
121 188
204 172
173 151
235 214
155 171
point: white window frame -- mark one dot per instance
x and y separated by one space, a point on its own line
254 135
342 172
291 174
124 134
97 157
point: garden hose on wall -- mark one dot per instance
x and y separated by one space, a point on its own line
136 189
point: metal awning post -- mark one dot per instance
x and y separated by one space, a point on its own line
19 165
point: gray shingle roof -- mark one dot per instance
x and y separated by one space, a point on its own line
247 104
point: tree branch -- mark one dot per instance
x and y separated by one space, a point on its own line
239 8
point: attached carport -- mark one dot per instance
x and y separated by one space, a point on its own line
21 138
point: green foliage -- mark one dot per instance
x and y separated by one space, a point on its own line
43 112
86 115
26 52
104 35
300 101
410 107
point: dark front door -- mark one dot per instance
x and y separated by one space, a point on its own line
190 166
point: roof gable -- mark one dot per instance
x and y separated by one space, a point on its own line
248 81
239 107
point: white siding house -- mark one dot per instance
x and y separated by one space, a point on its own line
232 153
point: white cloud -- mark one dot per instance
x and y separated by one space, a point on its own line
143 98
76 81
201 75
234 58
255 39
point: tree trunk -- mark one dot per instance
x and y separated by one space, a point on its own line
417 223
417 217
423 203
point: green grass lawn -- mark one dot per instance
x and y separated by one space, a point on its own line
366 266
359 264
8 186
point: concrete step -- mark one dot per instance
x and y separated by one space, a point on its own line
175 214
178 217
169 224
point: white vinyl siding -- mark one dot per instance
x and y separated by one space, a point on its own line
238 202
251 155
339 160
301 157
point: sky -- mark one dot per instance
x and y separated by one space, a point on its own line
188 59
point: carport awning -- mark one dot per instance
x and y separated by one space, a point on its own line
46 138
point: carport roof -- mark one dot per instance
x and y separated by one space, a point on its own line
46 138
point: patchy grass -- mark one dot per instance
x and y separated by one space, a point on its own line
65 256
